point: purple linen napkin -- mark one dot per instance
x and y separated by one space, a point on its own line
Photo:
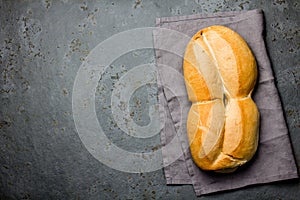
273 161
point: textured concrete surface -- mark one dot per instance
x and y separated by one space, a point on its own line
42 45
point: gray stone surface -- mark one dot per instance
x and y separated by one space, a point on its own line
42 45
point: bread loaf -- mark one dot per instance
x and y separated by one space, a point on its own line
220 73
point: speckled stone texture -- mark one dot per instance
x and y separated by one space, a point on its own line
42 45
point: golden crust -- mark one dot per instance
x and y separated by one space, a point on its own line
220 74
205 132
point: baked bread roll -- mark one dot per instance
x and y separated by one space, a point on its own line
220 73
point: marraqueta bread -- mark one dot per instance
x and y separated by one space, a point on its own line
220 73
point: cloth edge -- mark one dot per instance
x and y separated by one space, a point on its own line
245 14
272 179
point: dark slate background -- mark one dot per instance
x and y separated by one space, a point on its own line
42 45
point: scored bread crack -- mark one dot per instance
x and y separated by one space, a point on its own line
235 158
225 91
235 162
208 101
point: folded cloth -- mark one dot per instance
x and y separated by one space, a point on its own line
274 159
